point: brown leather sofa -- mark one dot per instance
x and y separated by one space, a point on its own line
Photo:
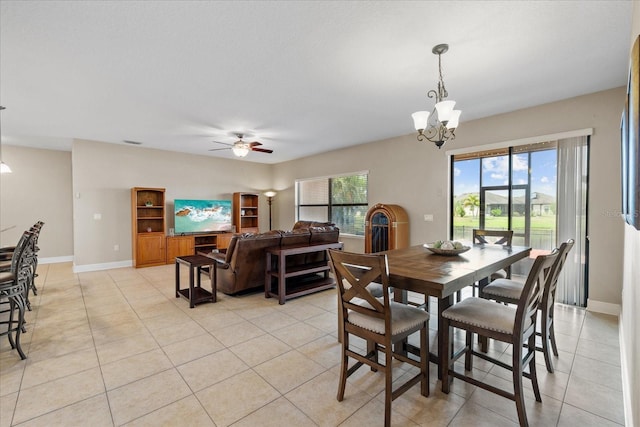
242 267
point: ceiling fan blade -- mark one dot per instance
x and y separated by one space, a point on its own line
223 143
218 149
262 150
254 143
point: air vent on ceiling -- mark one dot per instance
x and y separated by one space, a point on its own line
132 142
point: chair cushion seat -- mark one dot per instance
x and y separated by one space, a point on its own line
504 288
403 317
6 277
500 274
375 289
484 314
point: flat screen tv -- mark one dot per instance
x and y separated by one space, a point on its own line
202 216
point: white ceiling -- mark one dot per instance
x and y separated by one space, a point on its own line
302 77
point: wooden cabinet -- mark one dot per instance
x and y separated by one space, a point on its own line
194 243
147 226
386 228
179 246
223 240
150 250
245 212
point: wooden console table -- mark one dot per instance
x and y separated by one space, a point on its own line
281 273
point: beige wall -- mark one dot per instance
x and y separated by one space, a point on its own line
38 189
629 317
103 175
414 175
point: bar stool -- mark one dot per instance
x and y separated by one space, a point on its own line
509 291
515 326
12 287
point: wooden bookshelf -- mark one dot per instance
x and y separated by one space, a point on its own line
148 225
245 212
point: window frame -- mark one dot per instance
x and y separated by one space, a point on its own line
330 205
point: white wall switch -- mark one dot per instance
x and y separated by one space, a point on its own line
428 217
97 216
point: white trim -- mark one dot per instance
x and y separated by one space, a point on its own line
522 141
337 175
55 259
603 307
626 378
104 266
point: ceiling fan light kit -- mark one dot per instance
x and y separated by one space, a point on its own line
444 119
241 148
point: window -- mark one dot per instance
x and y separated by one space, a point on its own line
340 199
507 189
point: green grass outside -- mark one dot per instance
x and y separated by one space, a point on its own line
546 222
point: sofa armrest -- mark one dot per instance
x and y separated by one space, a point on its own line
219 258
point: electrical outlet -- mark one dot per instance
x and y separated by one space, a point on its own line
116 248
97 216
428 217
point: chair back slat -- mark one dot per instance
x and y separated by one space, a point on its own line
353 273
503 237
18 253
549 295
527 309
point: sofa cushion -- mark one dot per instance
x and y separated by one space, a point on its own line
326 234
298 236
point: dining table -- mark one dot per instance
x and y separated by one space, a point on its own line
417 269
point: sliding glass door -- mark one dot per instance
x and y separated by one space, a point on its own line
510 189
520 188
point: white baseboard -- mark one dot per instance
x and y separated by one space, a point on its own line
55 259
626 379
105 266
603 307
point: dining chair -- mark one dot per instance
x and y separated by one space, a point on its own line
495 237
511 325
31 254
380 321
509 291
13 285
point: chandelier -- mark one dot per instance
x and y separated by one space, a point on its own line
439 125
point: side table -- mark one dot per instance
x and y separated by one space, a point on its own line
195 293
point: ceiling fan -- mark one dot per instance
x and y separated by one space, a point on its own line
241 148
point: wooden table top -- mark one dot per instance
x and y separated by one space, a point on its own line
417 269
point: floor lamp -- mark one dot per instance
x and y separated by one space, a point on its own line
270 195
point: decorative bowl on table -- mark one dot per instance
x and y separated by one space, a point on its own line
446 248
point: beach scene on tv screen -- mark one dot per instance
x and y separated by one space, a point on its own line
193 216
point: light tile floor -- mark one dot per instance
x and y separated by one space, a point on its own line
115 347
